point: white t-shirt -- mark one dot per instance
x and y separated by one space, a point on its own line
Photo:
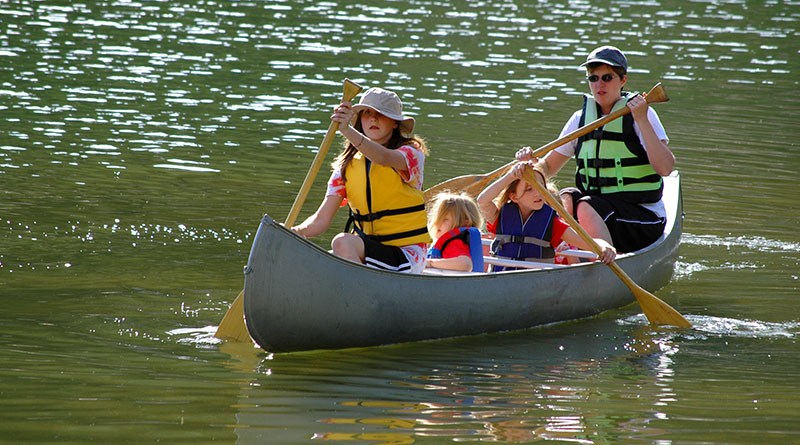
568 149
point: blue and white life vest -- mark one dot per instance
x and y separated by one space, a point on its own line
524 240
471 236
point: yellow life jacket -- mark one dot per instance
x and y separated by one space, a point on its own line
383 206
613 160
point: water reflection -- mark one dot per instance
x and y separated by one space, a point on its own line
574 384
544 389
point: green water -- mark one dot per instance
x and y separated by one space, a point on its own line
141 141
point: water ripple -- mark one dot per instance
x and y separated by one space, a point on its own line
755 243
705 326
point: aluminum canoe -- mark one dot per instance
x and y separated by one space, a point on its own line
298 296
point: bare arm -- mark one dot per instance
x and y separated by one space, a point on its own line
489 209
607 250
374 151
463 263
319 222
658 153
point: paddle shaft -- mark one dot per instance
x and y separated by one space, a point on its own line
651 97
477 183
656 311
655 95
232 327
350 90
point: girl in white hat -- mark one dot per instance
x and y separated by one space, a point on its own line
379 175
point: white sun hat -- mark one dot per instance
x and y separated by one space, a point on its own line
388 104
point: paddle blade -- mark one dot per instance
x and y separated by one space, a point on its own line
657 311
452 185
656 95
350 90
232 327
469 184
472 185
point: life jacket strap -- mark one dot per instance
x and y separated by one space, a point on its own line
369 217
596 183
500 240
602 134
385 238
608 163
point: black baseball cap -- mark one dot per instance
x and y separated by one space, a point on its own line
610 55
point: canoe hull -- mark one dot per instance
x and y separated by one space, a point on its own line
297 296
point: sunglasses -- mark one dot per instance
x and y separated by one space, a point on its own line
594 78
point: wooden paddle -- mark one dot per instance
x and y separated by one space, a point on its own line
232 327
658 312
473 184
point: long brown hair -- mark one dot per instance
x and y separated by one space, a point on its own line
395 141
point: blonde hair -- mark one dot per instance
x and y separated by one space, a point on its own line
505 197
460 206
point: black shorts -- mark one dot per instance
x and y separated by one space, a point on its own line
385 257
632 226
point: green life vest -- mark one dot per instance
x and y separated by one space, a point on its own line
612 160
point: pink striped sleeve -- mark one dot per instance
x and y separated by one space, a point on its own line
415 161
